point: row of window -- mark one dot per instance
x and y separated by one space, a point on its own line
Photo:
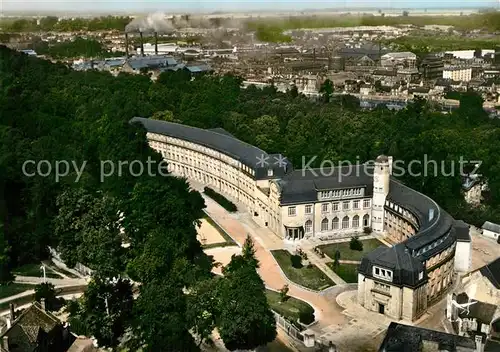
292 211
381 273
342 192
336 224
432 245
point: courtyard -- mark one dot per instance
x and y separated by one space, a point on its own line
309 276
348 254
347 272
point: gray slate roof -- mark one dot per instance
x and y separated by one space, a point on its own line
492 272
403 338
222 142
481 311
301 186
491 227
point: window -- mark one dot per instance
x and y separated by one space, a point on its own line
366 220
269 172
366 203
345 205
308 209
308 226
345 222
324 225
324 208
355 221
421 275
382 273
335 223
335 206
292 211
355 204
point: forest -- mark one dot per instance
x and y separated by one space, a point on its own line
49 112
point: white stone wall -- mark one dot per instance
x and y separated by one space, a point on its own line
463 256
490 234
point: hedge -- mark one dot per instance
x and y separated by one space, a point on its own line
219 198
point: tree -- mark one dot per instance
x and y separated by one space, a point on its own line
406 13
5 272
284 293
327 90
336 259
248 252
243 296
160 319
47 292
355 244
105 310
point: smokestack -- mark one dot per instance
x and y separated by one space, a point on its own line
156 43
126 45
142 44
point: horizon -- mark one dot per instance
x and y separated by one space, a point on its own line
111 7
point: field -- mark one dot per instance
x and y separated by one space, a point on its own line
348 254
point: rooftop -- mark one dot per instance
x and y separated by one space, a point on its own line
401 338
491 227
492 272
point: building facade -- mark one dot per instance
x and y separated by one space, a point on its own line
400 281
460 74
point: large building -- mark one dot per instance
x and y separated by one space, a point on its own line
400 281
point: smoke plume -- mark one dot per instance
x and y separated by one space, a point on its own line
156 22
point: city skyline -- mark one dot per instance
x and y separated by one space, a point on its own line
203 6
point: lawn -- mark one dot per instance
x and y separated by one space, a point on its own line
34 270
13 289
347 272
310 277
290 309
348 254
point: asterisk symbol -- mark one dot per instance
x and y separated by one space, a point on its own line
281 161
262 161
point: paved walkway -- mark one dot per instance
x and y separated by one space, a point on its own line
320 263
57 282
238 226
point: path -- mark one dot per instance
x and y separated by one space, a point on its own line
238 226
57 282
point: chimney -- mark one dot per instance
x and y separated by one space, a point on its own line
431 214
5 343
126 45
42 303
12 314
142 44
156 43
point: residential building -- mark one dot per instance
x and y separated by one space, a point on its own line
399 59
400 281
35 329
462 74
475 319
483 284
432 67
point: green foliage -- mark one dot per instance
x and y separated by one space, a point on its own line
284 293
104 311
306 316
248 252
52 23
5 272
242 295
47 292
219 198
355 244
76 48
272 34
296 261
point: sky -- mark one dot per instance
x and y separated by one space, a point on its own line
112 6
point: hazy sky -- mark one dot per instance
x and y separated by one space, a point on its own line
225 5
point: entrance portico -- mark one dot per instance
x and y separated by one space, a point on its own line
294 233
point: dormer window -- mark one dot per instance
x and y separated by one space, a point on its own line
382 273
421 275
269 172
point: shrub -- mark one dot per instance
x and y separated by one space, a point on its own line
219 198
367 229
356 244
296 261
306 315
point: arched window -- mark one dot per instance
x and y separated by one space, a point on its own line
324 225
335 223
345 222
308 226
366 220
355 221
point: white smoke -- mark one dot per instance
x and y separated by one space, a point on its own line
157 22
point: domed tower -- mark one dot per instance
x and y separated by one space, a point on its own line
381 177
